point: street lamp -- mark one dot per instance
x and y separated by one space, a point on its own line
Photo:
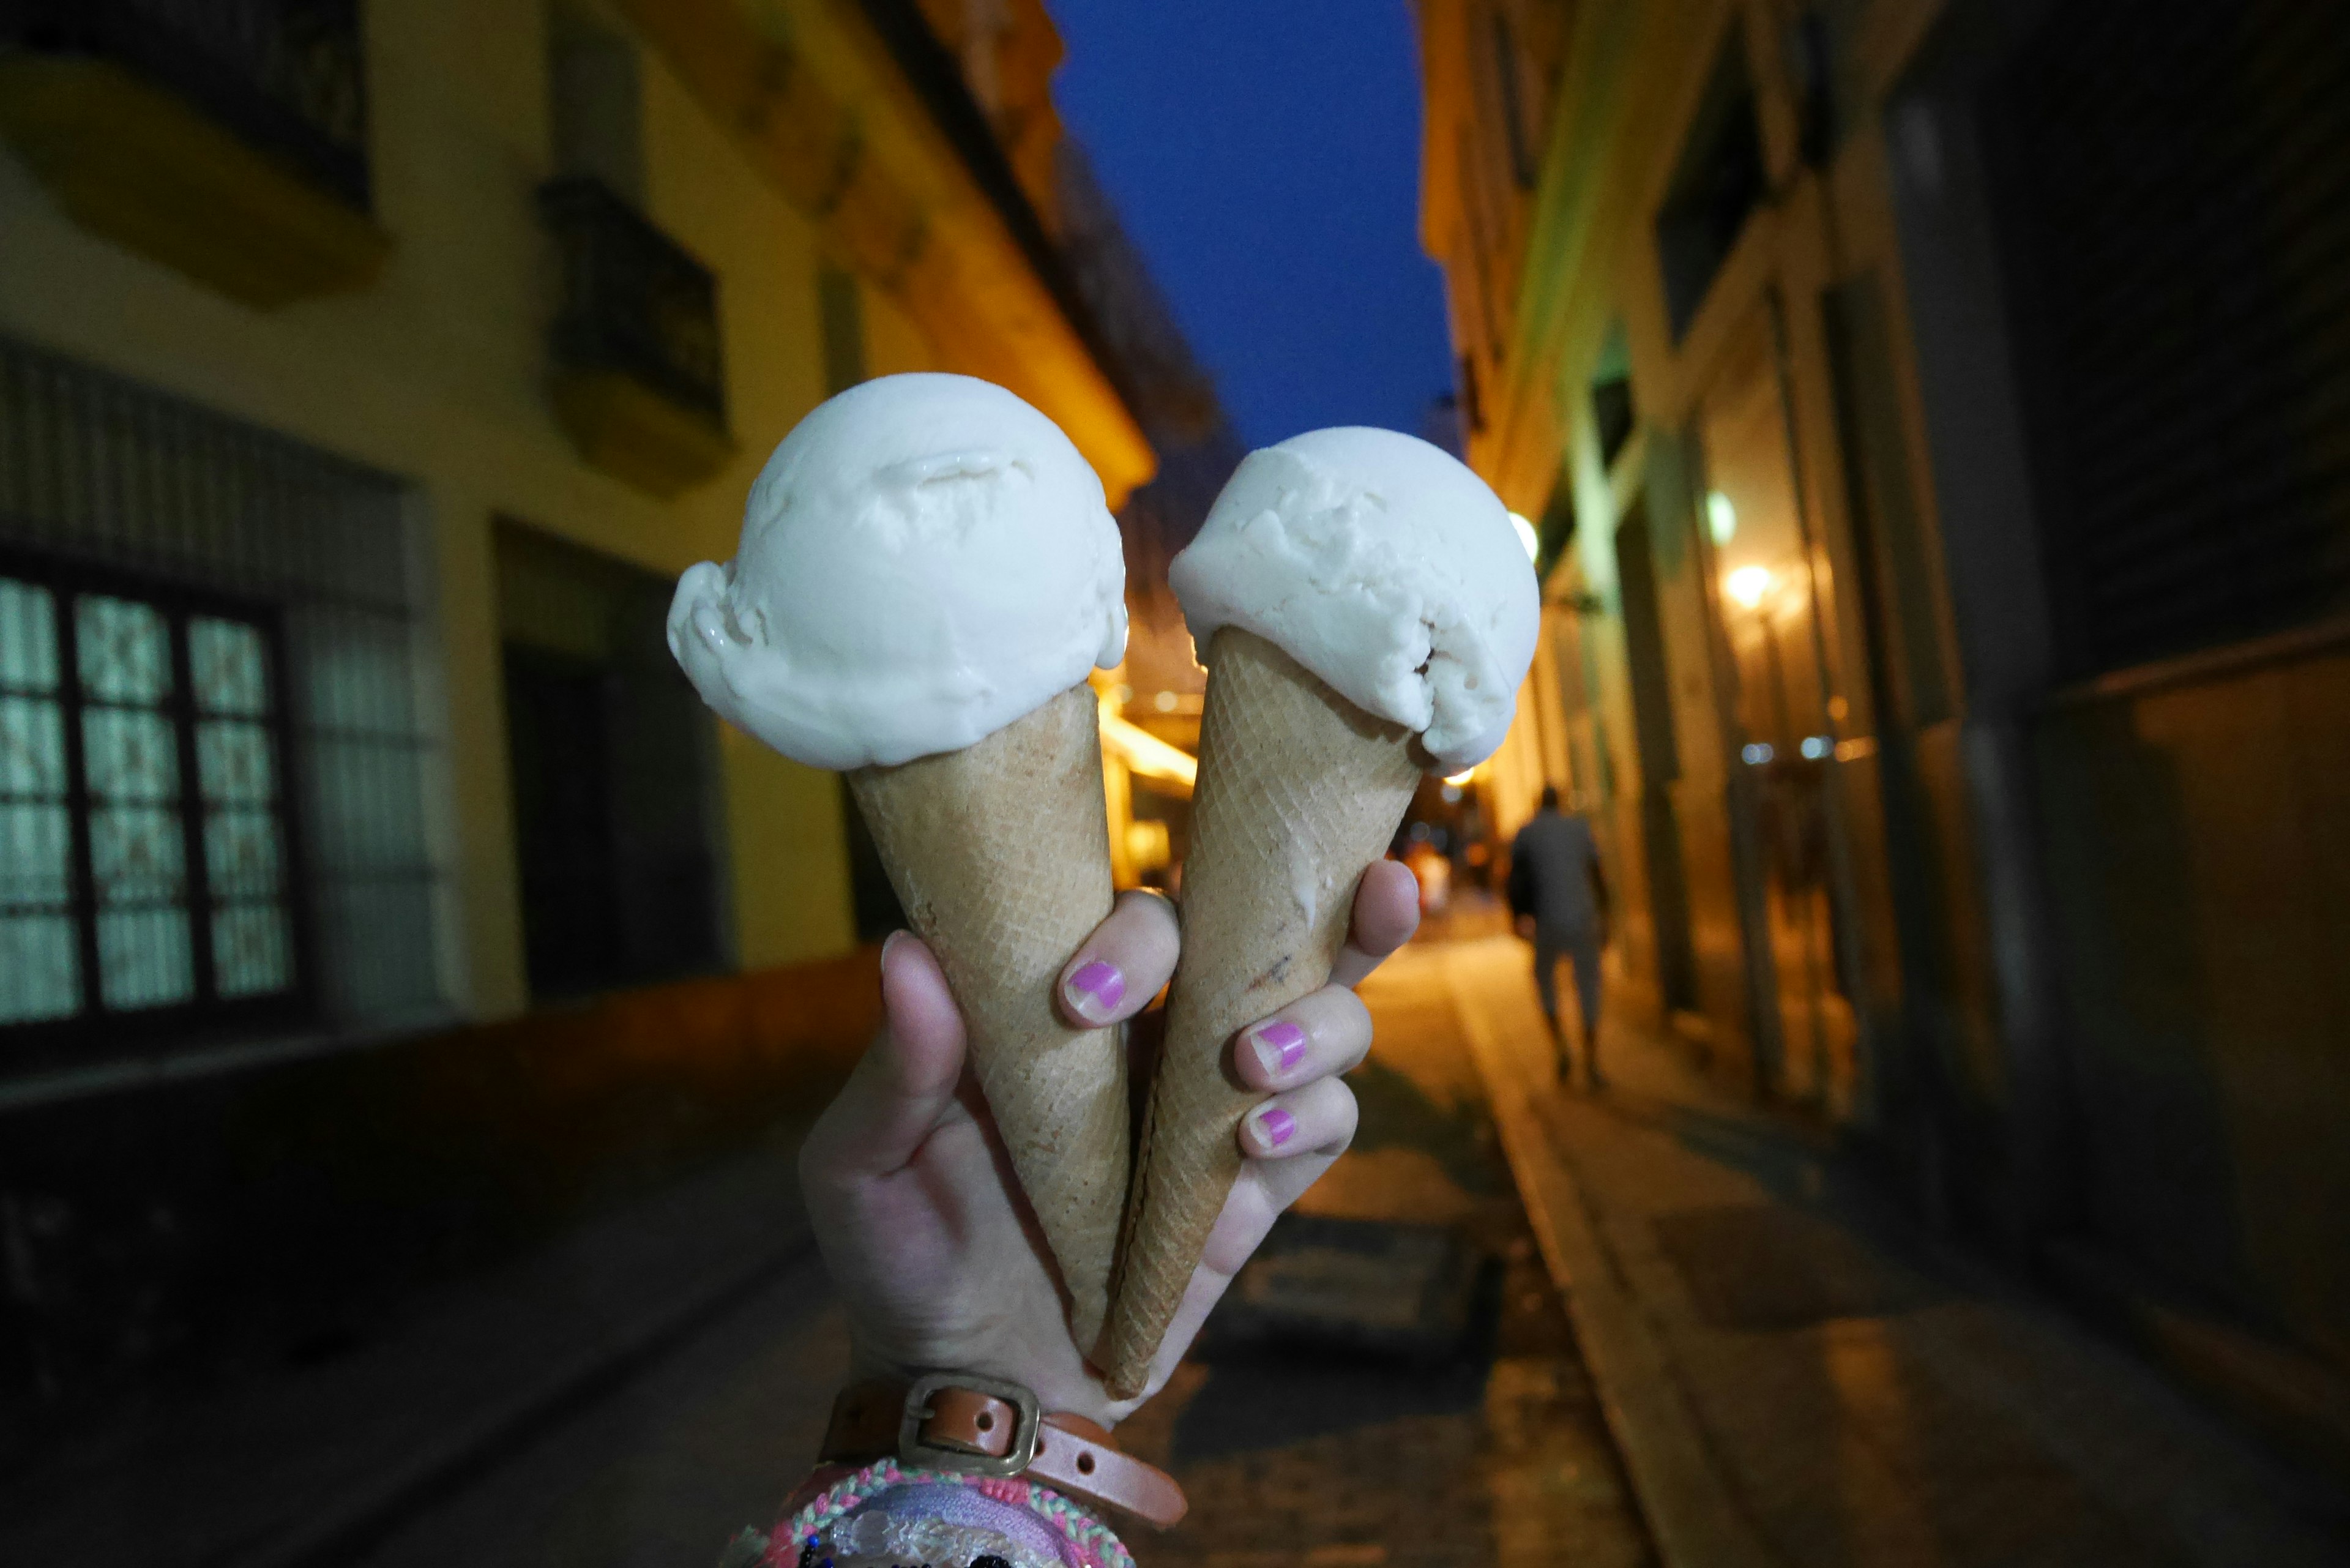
1749 584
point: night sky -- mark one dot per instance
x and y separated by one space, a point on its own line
1265 158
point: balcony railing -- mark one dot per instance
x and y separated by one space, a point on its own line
639 380
287 77
633 301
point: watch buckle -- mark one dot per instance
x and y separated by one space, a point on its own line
1025 1430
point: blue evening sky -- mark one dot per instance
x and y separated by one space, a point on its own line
1265 157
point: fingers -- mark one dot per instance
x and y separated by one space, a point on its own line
1316 1119
1321 1119
903 1085
1316 1037
1387 911
1268 1186
1118 968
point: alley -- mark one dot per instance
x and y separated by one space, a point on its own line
1489 1451
537 535
1752 1363
1796 1376
1801 1378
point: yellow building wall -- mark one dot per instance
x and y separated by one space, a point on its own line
436 375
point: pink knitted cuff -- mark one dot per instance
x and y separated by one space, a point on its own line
833 1497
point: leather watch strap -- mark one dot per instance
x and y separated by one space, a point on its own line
969 1423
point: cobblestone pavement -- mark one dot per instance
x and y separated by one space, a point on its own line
1863 1396
1501 1456
1496 1457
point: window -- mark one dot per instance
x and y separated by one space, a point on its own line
159 502
596 103
1718 182
144 845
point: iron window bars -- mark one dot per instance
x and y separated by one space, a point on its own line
634 301
284 76
102 472
147 875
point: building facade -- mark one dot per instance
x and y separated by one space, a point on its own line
1946 553
368 374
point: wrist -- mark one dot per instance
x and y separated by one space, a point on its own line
1074 1391
985 1430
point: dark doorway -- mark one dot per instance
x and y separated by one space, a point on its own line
613 774
562 815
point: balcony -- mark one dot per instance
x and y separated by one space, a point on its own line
639 380
227 139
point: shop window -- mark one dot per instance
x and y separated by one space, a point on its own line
145 847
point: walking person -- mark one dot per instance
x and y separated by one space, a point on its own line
1559 896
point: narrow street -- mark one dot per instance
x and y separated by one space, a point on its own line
1754 1363
1799 1380
1297 1454
1494 1454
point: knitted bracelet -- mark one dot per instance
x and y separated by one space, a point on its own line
885 1512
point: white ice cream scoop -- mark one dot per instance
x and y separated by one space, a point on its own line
1384 565
924 559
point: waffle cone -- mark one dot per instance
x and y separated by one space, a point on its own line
1299 792
1000 854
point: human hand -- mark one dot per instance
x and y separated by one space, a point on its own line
1524 925
921 1222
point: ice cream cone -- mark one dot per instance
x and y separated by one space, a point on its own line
1000 854
1299 791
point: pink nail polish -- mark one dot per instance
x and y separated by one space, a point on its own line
1280 1045
1096 989
1278 1126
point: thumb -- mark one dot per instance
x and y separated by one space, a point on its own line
905 1083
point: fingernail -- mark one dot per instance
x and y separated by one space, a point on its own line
1276 1125
1096 989
1279 1046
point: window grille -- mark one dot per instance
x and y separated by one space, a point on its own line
257 593
135 882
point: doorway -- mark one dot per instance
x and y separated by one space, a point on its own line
613 772
1781 739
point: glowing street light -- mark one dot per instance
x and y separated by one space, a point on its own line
1526 535
1720 517
1749 584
